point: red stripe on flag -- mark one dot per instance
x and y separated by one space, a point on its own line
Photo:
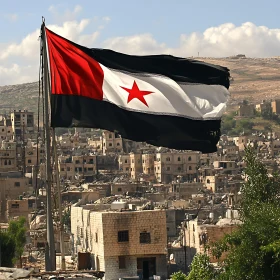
73 72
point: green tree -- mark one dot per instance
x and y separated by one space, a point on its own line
17 230
201 269
178 276
7 249
254 249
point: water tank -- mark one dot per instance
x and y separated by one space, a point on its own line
20 197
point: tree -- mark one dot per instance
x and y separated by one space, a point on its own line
254 249
201 269
178 276
7 249
17 231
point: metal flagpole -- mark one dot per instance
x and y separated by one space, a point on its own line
61 235
50 261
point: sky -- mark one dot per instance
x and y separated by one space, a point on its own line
208 28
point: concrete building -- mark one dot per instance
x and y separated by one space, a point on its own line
275 105
246 110
168 166
8 157
136 165
22 124
112 142
6 130
148 164
127 244
196 236
124 163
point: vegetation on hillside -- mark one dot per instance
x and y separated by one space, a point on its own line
254 248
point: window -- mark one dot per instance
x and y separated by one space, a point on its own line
110 136
110 144
5 162
62 169
125 161
17 184
96 237
3 129
119 189
29 161
179 159
77 161
126 169
190 168
123 236
10 163
179 169
118 144
68 168
168 168
90 169
15 206
168 159
208 181
145 237
190 158
122 262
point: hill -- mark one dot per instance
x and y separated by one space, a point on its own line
254 79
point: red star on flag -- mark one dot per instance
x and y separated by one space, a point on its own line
135 92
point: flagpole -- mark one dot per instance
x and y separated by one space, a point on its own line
50 255
61 235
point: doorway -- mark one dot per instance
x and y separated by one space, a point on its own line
146 268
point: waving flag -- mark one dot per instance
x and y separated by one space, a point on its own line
161 99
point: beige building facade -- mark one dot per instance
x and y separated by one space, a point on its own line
125 244
168 166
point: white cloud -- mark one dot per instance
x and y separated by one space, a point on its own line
224 40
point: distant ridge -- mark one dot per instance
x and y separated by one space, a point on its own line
254 79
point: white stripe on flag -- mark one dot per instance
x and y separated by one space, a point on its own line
196 101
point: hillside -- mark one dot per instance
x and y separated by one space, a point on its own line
253 79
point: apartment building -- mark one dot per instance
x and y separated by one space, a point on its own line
168 166
124 244
112 142
22 124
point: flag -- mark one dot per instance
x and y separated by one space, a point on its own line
159 99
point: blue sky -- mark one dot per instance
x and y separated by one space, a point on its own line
179 27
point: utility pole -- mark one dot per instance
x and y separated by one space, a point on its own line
50 255
61 229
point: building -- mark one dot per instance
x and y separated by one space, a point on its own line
136 165
275 105
246 110
196 236
112 142
125 244
6 130
148 164
8 157
262 107
168 166
22 124
124 163
19 208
